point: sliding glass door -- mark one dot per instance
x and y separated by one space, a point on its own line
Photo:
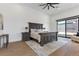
66 28
61 28
71 27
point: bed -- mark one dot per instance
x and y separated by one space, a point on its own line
38 34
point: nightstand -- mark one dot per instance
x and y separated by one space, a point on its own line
25 36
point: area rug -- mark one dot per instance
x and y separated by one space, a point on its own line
47 49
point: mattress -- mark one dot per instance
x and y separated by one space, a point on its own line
36 36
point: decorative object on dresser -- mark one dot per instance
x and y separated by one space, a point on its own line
41 37
25 36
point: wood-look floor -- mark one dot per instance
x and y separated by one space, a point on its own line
70 49
22 49
17 49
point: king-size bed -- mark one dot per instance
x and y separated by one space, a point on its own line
38 34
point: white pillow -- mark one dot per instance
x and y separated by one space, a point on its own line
33 30
41 30
38 30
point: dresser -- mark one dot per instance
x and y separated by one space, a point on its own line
25 36
4 40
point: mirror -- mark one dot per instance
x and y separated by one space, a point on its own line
1 22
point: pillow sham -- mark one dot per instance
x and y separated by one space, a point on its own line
33 30
38 30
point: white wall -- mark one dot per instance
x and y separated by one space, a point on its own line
16 18
64 14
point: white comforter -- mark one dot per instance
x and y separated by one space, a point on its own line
35 35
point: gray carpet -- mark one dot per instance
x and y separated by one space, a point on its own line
47 49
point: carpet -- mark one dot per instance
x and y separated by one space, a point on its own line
47 49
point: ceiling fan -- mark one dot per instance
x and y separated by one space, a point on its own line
48 5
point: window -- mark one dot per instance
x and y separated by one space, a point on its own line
67 27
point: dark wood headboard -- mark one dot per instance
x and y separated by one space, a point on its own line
35 26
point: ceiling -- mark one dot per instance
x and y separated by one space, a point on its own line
61 7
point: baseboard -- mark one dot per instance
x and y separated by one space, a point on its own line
15 41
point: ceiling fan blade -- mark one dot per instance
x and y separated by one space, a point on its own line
42 4
52 6
45 6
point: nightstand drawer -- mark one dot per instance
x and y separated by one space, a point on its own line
25 36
